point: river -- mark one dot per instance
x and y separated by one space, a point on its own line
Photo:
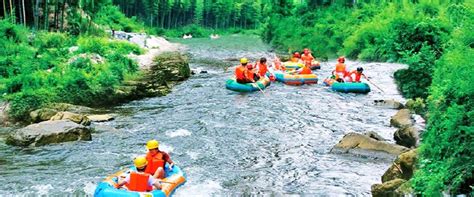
227 143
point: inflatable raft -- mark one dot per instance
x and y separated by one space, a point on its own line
315 65
232 84
351 87
295 79
293 65
174 179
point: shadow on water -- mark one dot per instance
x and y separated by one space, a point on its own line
227 143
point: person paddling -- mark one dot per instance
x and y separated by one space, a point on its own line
157 159
307 56
241 72
296 57
262 67
139 180
357 74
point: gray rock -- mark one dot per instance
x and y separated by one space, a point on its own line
387 188
100 118
49 132
42 114
374 136
70 108
77 118
389 104
363 145
402 168
401 119
407 136
4 107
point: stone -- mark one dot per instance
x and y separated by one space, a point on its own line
387 188
77 118
389 104
363 145
374 136
42 114
401 119
100 118
407 136
70 108
4 107
402 168
49 132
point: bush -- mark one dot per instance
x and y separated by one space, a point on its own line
23 102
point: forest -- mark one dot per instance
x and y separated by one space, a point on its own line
434 38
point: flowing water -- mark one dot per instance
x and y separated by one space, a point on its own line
228 143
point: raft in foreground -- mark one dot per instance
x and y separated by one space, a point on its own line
351 87
232 84
174 179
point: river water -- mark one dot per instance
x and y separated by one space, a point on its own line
228 143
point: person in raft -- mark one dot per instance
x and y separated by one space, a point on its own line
262 67
306 69
306 57
296 57
242 74
357 74
278 65
139 181
156 160
341 71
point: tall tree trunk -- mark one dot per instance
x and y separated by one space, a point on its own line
4 10
46 15
36 14
11 10
62 15
24 12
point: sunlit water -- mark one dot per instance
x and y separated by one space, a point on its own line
227 143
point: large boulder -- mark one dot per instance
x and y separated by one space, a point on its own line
387 188
70 108
401 119
402 168
49 132
366 146
407 136
169 66
389 104
42 114
77 118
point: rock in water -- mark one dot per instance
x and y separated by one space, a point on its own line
49 132
4 107
366 146
401 119
374 136
402 168
77 118
387 188
389 104
407 136
100 118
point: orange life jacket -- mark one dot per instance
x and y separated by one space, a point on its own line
341 67
306 70
240 72
307 58
139 182
154 162
262 69
279 66
249 75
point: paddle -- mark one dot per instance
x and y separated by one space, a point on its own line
374 84
257 86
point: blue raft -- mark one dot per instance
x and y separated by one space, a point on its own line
349 87
174 179
232 84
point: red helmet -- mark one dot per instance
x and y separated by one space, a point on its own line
296 54
341 59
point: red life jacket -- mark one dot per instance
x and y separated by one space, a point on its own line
306 70
154 162
139 182
262 69
357 75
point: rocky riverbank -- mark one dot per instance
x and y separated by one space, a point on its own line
395 180
161 67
